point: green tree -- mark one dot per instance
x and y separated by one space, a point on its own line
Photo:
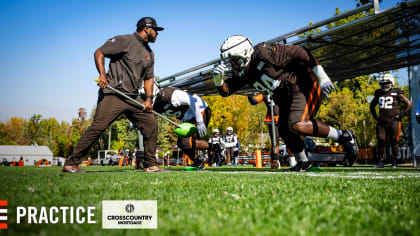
166 136
12 132
236 112
33 130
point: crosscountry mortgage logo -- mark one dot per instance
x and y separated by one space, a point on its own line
129 214
3 214
129 208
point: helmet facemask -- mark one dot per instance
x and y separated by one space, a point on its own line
229 130
386 82
385 87
215 132
237 51
238 65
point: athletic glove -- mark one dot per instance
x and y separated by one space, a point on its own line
326 85
219 74
400 116
202 130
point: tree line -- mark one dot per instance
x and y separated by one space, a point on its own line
347 108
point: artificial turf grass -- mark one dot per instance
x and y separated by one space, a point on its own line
225 203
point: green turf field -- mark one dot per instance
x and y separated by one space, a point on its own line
227 201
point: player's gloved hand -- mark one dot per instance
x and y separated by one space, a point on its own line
202 130
326 84
219 74
327 87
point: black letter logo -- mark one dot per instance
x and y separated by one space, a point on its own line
129 208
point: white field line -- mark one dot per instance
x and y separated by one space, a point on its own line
357 174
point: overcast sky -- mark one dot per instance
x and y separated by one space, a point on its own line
47 47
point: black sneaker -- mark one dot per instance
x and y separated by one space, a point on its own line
394 164
348 140
380 165
199 164
294 168
300 167
305 166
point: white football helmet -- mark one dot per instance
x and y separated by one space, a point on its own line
156 89
238 48
229 130
215 131
384 79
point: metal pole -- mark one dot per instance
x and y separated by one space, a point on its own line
277 39
412 136
141 146
189 70
273 125
109 139
321 23
177 156
364 130
141 105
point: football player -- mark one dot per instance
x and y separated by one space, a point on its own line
186 108
297 83
389 119
216 147
253 100
231 141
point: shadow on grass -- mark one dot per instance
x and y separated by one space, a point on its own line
322 169
98 171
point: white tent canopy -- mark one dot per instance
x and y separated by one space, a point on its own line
30 154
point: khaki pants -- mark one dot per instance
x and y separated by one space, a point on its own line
109 108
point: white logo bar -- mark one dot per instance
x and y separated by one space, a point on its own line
3 210
3 217
129 214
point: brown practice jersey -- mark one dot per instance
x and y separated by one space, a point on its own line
279 69
163 104
388 104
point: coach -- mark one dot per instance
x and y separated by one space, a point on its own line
130 68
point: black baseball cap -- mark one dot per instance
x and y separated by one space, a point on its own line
148 22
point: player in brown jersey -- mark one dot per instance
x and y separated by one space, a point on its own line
253 100
389 119
295 79
187 108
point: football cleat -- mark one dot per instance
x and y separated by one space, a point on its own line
394 164
300 167
199 164
294 168
379 165
305 166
